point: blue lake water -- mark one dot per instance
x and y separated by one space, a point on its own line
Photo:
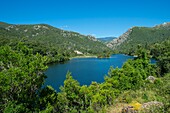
84 70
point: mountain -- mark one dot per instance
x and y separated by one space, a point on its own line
46 39
143 36
106 39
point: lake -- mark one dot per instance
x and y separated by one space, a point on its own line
84 70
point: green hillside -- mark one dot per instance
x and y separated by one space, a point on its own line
145 36
49 40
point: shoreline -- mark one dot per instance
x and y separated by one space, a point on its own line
51 63
83 57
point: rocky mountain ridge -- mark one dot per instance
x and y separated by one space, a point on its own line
117 41
144 36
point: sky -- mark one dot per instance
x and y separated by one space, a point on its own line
100 18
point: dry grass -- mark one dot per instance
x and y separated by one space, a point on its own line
117 108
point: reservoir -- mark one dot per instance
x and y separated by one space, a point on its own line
84 70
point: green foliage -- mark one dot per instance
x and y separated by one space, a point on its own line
162 53
69 95
132 74
47 98
48 109
21 77
13 107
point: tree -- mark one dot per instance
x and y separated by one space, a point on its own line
69 94
21 77
47 98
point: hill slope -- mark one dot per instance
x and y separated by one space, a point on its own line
47 37
145 36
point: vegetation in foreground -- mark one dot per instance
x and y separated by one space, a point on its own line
21 80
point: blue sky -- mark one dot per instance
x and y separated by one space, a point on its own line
95 17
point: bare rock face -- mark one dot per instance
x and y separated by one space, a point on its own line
165 25
78 52
152 103
151 79
145 107
120 39
91 37
128 109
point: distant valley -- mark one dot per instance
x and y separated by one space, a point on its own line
106 39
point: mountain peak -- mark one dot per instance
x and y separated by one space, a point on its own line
164 25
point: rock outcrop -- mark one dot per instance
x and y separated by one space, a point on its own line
151 79
117 41
145 107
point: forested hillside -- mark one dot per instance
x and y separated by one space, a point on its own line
51 41
145 36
